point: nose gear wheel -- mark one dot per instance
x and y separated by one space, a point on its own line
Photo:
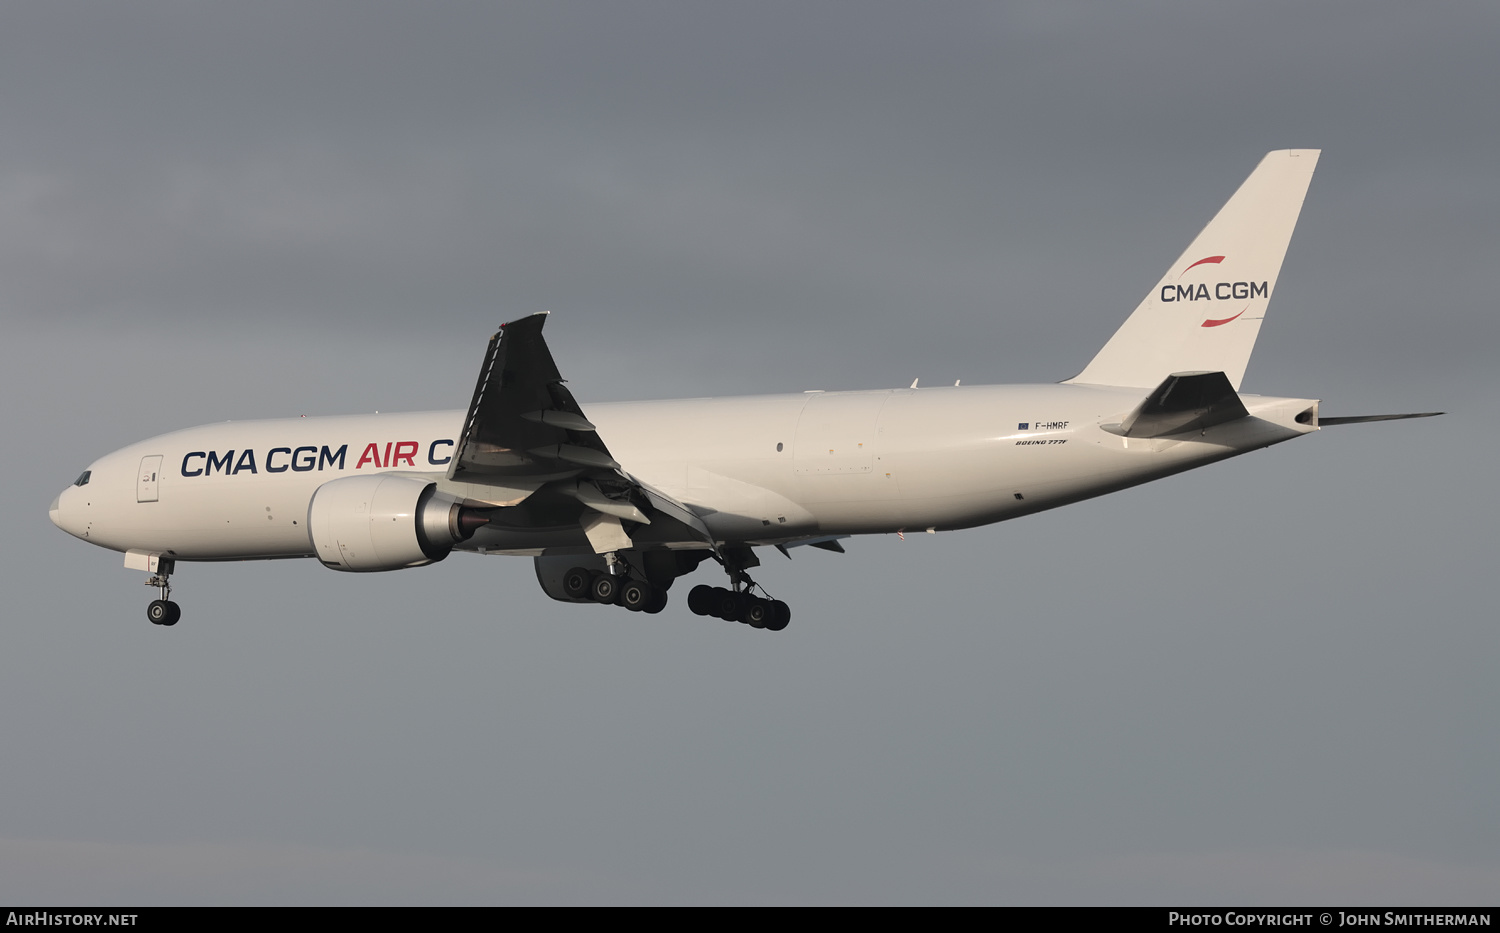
162 611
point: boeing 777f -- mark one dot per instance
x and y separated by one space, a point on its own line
616 501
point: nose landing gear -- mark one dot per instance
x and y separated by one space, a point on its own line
163 611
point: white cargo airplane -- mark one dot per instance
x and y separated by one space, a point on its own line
616 503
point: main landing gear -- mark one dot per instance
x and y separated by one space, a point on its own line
739 603
162 611
623 584
617 589
739 606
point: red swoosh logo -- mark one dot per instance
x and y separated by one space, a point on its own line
1224 320
1213 259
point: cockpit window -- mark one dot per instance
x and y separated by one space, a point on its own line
83 480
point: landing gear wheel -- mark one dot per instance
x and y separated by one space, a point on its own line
701 600
757 612
604 588
726 604
576 583
634 595
779 616
657 603
163 612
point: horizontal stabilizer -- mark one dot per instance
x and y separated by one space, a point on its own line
1184 402
1361 419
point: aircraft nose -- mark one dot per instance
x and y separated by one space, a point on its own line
64 514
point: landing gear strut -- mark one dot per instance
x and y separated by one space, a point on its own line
163 611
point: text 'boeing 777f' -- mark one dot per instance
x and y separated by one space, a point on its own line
616 502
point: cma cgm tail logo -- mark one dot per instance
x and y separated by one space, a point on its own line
1218 291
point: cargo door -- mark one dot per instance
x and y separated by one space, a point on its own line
835 454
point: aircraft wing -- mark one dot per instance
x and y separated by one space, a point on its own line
523 423
524 432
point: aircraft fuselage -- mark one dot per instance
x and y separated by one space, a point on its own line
757 470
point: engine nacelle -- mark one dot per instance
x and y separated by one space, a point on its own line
385 521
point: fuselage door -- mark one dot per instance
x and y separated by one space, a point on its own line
145 483
836 433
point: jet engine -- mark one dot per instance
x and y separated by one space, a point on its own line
386 521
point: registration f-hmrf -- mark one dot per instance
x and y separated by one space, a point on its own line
616 502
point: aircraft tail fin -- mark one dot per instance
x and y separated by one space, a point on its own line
1205 313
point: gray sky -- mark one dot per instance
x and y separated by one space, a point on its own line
1270 681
